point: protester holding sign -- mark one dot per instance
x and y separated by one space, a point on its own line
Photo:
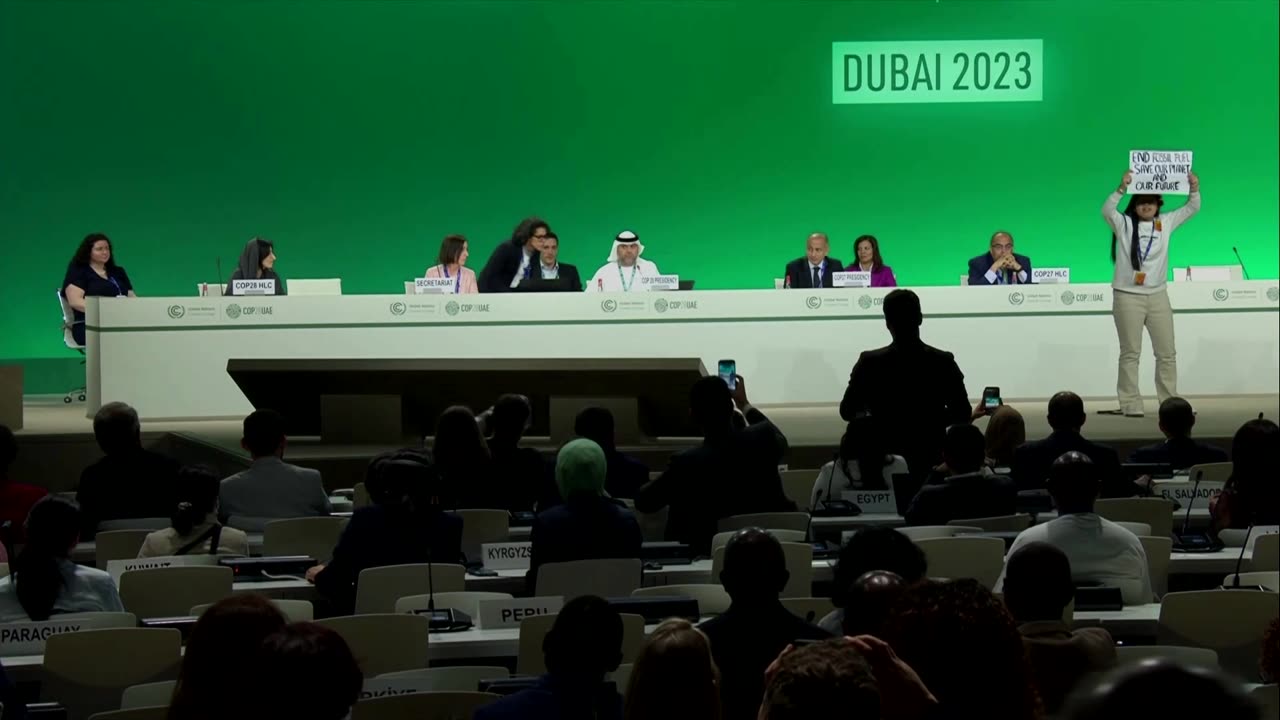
867 250
450 264
257 262
1140 251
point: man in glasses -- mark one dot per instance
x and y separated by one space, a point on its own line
1001 265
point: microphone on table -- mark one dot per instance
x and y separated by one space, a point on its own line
1241 261
1194 542
1235 576
222 289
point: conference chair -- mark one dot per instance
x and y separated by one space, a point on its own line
423 706
468 601
101 620
653 526
311 536
483 526
160 712
173 591
799 559
809 609
980 558
321 286
1229 621
360 497
118 545
293 610
1269 579
998 523
156 694
464 678
1268 698
1218 472
926 532
711 599
1266 553
1156 512
622 677
87 671
797 485
1159 552
610 577
1235 537
721 538
378 588
384 643
533 630
69 339
1202 657
1136 528
768 521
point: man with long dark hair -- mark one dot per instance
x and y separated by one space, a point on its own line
515 260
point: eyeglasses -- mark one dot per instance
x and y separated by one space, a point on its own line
1006 246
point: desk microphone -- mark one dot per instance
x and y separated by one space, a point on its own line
1235 576
1239 260
1184 541
222 289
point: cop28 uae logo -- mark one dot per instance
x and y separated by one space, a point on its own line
398 308
865 302
233 311
1273 294
660 305
813 302
177 311
1221 294
609 305
1016 298
1068 297
451 308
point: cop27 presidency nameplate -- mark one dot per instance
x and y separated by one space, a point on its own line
854 279
507 555
265 286
937 71
508 613
660 282
872 502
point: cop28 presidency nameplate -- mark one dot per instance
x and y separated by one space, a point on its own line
937 71
660 282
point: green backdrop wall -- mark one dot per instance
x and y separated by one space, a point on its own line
357 134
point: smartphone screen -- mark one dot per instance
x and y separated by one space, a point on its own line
991 399
729 368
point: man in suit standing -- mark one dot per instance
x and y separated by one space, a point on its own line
550 269
1001 265
815 269
1031 462
271 488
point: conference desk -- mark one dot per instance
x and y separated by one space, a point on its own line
831 527
168 356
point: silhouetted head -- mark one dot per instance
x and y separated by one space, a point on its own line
264 433
869 601
1006 430
1037 583
876 548
227 633
585 643
1066 411
1176 418
1146 689
1074 483
964 449
117 429
829 680
304 670
675 676
755 568
596 424
902 314
711 404
510 417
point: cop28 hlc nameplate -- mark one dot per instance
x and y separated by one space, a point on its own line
937 71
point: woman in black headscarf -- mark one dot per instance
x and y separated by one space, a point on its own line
257 262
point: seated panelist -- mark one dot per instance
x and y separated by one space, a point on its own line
625 270
257 262
553 274
451 263
815 269
1001 265
93 272
867 251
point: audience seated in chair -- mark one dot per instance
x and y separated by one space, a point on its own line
1251 495
1162 689
756 627
404 525
733 472
864 462
870 549
830 679
523 476
963 486
16 498
270 489
587 525
1037 591
225 636
129 481
1098 550
194 521
43 581
1006 432
1066 418
583 646
674 676
1178 450
303 670
626 474
463 462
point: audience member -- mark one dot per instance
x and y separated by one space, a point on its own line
404 525
43 581
1251 495
967 650
829 679
626 474
1066 418
226 634
1037 591
1098 550
756 627
1162 689
270 489
733 472
1178 450
588 524
1006 432
868 602
863 463
463 461
303 670
129 481
583 646
674 677
868 549
913 390
16 498
966 487
193 525
523 476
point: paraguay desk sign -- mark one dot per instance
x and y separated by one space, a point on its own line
265 286
508 612
28 638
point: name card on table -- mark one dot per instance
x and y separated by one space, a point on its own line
507 555
388 687
872 502
854 279
508 613
1050 276
660 282
1180 491
266 286
28 638
427 286
116 568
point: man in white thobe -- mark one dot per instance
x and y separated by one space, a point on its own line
626 269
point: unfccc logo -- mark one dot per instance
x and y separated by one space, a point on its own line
177 311
1016 298
813 302
398 308
609 305
1221 294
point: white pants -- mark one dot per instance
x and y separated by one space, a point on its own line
1132 312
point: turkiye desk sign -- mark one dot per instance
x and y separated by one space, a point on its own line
937 71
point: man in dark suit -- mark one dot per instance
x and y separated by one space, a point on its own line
733 472
1031 462
1001 265
551 270
815 269
626 475
966 488
914 391
514 261
1178 450
756 627
129 481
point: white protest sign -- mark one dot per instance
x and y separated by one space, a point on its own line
1181 491
1051 275
265 286
855 279
427 285
1160 172
660 282
507 555
116 568
872 502
508 613
28 638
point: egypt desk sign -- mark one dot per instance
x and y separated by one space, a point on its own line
937 71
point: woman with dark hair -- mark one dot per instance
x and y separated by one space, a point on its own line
1251 496
1140 251
1006 430
228 633
514 260
194 526
674 677
43 581
451 262
869 550
93 272
463 460
867 249
864 463
304 670
257 262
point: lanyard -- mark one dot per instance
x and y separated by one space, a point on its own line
112 280
457 284
1155 233
626 286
